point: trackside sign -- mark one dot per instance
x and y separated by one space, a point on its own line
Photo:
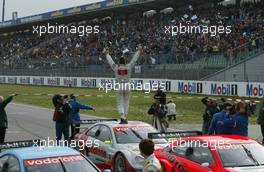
241 89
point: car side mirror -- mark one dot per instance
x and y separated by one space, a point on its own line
107 142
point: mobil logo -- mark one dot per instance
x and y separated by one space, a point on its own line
190 87
224 89
255 90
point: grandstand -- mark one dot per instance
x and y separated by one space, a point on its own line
124 24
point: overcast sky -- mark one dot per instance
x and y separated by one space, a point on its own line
31 7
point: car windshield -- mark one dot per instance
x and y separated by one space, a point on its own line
134 134
241 155
74 163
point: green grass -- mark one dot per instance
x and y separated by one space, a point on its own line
189 107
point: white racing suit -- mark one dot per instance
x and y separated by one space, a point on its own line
123 74
152 164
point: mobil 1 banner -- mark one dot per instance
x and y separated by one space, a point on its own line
2 79
222 88
253 90
24 80
12 80
53 81
38 80
70 82
190 87
87 82
155 84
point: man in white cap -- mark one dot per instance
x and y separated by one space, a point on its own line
3 116
123 74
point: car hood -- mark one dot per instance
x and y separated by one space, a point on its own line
247 169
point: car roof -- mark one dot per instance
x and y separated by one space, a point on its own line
212 140
41 152
114 124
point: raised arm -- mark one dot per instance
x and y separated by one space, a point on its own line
7 101
109 59
135 57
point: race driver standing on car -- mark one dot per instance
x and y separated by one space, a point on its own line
151 163
123 74
3 116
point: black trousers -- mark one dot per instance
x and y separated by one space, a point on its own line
262 131
74 130
2 134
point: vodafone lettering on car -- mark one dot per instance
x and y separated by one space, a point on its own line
53 160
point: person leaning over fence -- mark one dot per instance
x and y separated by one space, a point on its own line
3 116
75 114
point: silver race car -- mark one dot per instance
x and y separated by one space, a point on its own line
115 146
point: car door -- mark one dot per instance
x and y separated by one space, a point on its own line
105 141
193 156
100 136
90 137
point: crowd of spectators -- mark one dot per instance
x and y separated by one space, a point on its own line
126 32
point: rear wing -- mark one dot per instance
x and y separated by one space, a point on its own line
91 121
173 134
19 144
77 125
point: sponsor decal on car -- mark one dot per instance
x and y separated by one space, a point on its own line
53 160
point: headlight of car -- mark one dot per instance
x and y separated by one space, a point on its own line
139 160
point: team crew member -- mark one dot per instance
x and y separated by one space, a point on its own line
151 163
75 113
3 116
171 107
261 119
123 74
61 117
217 125
211 109
240 120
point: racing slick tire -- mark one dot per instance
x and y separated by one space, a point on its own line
120 163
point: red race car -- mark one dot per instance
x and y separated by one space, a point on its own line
204 153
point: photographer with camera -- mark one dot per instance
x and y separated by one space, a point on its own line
210 110
261 119
159 110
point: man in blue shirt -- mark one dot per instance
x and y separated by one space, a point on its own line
240 120
238 123
75 113
217 125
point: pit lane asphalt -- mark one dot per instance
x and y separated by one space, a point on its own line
26 122
30 122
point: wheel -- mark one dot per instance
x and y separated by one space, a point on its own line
120 163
